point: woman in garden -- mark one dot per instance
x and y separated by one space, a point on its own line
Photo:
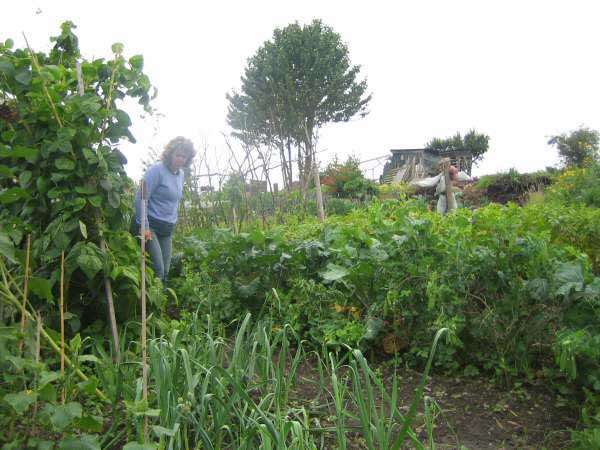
163 185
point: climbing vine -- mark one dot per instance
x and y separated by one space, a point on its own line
62 176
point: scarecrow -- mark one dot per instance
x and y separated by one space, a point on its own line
447 176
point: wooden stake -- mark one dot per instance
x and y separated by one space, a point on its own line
318 192
111 310
38 347
448 183
235 227
62 324
107 283
28 252
143 299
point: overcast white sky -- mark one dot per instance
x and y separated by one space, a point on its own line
518 71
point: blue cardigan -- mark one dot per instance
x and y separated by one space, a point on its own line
163 191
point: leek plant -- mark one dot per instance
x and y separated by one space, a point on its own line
235 394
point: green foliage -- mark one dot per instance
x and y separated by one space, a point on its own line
578 148
61 173
36 406
512 186
221 391
347 180
515 286
396 191
578 186
476 143
386 260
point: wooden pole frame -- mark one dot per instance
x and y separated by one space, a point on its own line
25 282
62 325
143 300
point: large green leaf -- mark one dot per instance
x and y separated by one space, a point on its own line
18 151
89 105
90 260
90 156
569 277
89 423
6 66
25 178
47 393
64 164
5 171
21 401
83 229
95 201
64 415
56 192
40 444
248 290
78 204
12 195
334 272
83 442
87 189
7 248
66 133
137 62
88 386
41 287
123 118
106 185
23 76
49 377
117 47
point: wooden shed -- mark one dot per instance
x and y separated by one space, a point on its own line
407 164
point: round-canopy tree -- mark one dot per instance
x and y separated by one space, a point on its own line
295 83
477 143
578 148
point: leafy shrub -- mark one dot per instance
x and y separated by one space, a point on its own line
347 180
338 206
511 186
396 191
578 186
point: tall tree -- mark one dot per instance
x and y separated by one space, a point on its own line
295 83
476 143
578 147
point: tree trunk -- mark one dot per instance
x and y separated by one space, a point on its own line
284 165
311 161
291 174
318 192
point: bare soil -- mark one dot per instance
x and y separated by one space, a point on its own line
473 413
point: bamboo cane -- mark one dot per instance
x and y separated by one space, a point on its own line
62 324
22 329
143 299
38 348
8 296
36 64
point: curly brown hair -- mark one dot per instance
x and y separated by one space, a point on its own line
180 144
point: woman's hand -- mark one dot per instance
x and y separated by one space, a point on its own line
148 235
